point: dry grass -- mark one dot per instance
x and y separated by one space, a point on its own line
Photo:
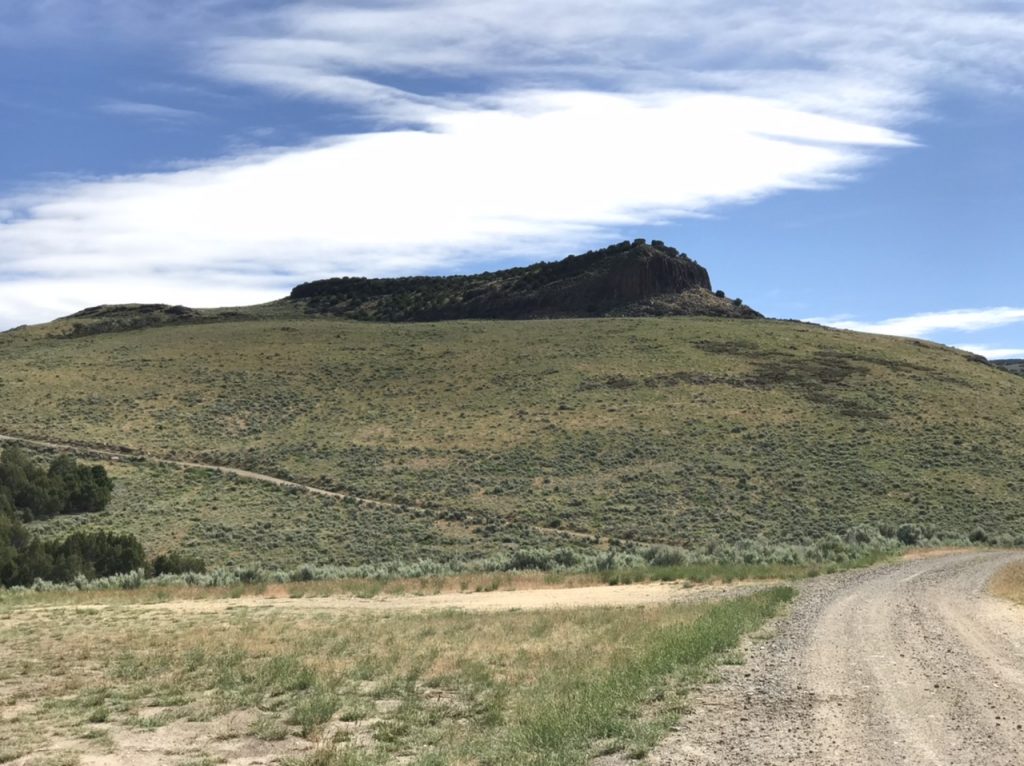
1009 582
336 687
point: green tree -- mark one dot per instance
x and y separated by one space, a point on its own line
81 488
66 487
30 490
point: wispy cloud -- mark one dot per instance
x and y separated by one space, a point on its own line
536 172
924 325
993 352
874 60
502 126
148 111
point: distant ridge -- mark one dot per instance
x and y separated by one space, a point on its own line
628 279
1010 365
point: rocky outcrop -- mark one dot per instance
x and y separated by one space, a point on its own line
628 279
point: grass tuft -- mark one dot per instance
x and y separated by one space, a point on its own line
1008 582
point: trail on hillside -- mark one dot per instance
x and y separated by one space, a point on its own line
908 663
128 454
84 449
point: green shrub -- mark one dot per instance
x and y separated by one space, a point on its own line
908 534
65 488
176 562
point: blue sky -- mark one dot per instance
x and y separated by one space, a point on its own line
855 164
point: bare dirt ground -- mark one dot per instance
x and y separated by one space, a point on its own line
908 663
636 594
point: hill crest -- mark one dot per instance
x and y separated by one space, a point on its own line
1015 366
628 279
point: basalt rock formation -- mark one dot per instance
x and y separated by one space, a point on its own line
628 279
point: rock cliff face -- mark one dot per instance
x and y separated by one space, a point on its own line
628 279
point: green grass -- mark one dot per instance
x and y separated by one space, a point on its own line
519 687
500 434
564 716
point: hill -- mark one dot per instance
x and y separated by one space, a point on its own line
1010 365
487 436
627 279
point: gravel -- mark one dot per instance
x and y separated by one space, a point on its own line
909 663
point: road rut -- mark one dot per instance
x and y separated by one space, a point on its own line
909 663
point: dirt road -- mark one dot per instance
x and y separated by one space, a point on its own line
905 664
125 454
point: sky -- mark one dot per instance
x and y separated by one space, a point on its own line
854 164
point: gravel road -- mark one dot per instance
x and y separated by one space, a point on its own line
910 663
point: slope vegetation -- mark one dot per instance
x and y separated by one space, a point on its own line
679 429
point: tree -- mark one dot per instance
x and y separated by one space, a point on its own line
27 484
95 554
82 488
66 487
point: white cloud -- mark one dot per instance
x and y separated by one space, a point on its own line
39 299
504 126
924 325
148 111
537 169
993 352
875 59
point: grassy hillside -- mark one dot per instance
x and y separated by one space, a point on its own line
232 522
677 430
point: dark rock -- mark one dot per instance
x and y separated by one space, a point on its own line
627 279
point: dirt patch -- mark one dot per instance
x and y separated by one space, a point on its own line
636 594
930 553
224 740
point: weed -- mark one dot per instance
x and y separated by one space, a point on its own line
315 709
269 729
1008 582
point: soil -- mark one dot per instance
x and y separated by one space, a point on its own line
637 594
